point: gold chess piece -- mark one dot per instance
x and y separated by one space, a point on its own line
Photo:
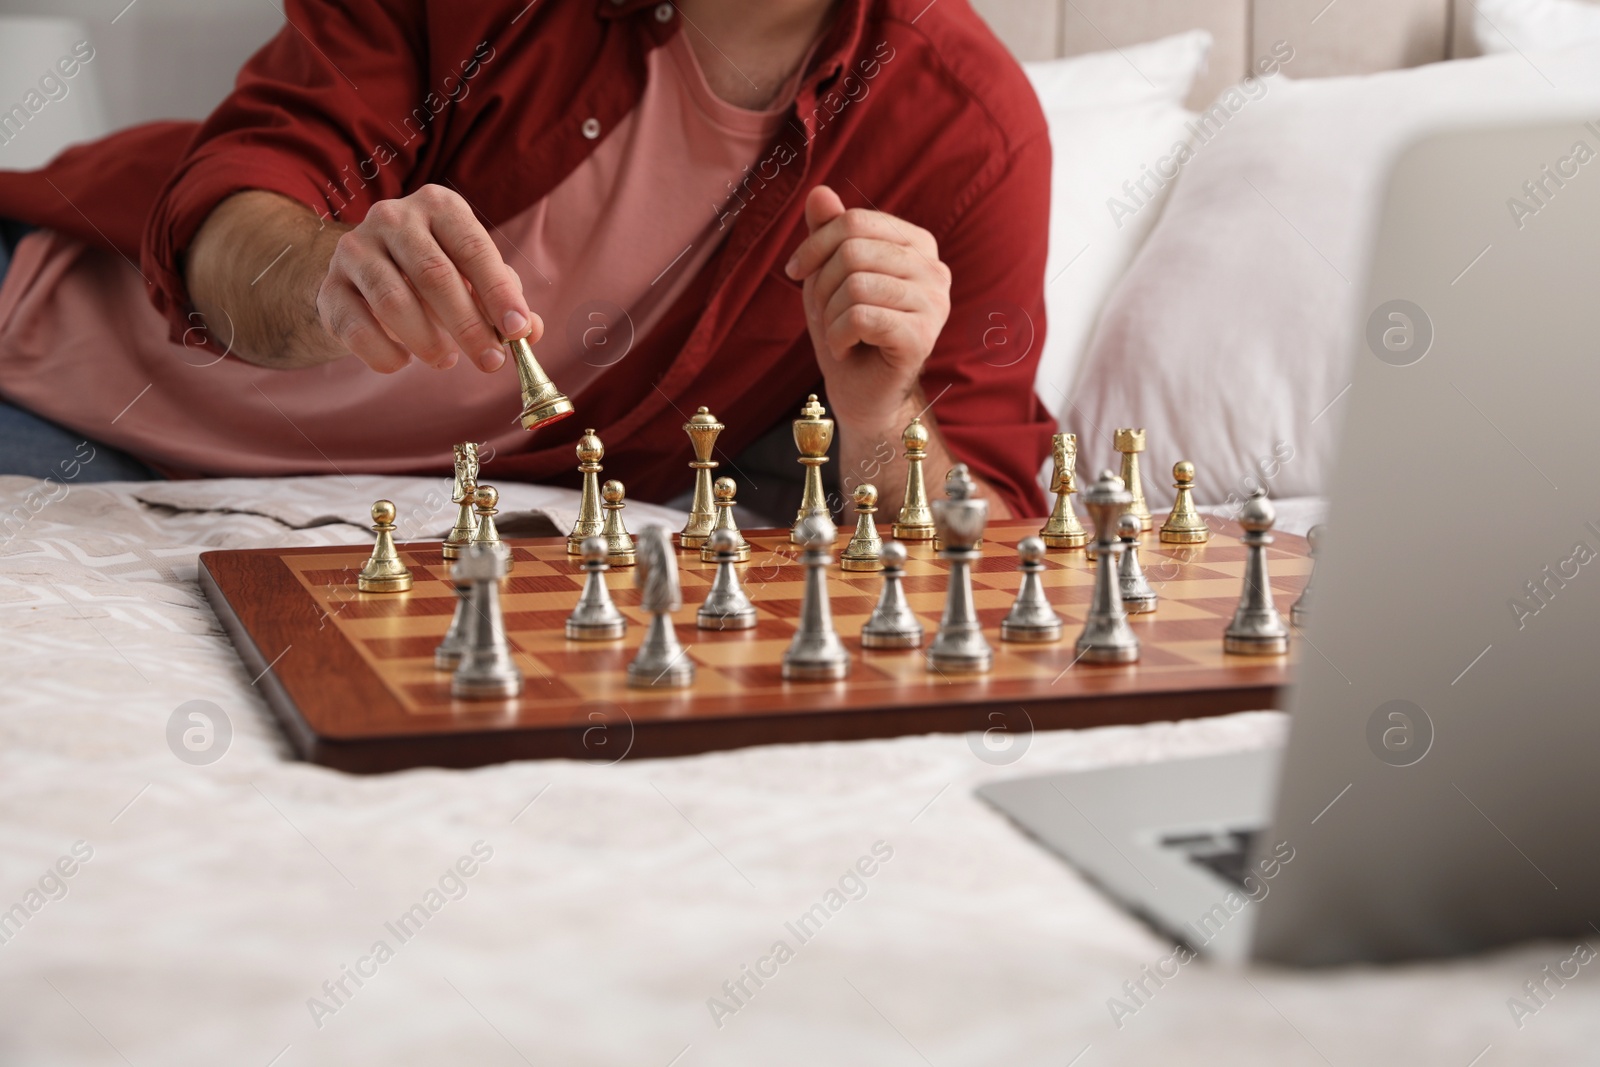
813 433
466 527
702 429
915 521
466 455
865 550
959 473
383 572
723 490
619 543
1063 530
486 500
1130 443
1184 526
590 521
542 402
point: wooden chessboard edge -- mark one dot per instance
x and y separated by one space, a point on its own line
302 739
670 739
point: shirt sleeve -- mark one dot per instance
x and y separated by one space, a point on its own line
979 379
322 114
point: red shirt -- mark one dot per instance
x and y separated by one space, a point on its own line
909 108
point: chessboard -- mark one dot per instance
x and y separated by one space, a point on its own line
350 675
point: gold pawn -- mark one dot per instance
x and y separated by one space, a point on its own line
865 550
723 490
1063 530
542 402
466 527
1184 526
486 498
383 572
812 435
1130 443
702 429
590 521
619 543
915 521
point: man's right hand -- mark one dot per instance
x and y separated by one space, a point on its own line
419 276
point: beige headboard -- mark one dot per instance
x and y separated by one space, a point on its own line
1329 37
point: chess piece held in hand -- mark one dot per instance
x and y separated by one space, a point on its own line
1257 629
383 572
959 518
662 663
542 402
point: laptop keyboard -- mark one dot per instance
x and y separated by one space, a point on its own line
1226 853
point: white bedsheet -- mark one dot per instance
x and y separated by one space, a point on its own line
618 899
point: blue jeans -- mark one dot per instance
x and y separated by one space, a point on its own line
38 448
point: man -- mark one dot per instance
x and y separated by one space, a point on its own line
704 203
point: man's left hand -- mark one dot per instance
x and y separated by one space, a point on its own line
876 296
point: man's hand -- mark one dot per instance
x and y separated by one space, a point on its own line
876 297
421 277
418 277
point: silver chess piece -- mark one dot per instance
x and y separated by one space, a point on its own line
1031 617
726 607
662 663
1257 629
1137 596
892 624
815 653
595 617
447 656
1107 637
1300 610
960 645
486 670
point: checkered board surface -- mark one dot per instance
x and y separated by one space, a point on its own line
573 685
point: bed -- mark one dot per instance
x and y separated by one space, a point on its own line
188 898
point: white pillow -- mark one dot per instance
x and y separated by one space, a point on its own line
1228 337
1109 113
1533 25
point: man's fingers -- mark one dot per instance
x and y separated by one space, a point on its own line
463 238
876 290
863 256
864 324
438 281
398 308
346 316
822 205
818 248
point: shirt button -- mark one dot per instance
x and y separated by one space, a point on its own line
663 12
591 128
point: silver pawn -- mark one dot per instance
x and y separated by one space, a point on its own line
1137 596
447 656
1257 629
595 617
1031 617
1107 637
662 663
1300 611
960 645
816 653
486 670
726 607
892 624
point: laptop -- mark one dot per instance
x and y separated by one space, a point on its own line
1439 790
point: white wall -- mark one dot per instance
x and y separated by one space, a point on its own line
156 58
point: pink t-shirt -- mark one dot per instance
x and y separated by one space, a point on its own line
602 258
